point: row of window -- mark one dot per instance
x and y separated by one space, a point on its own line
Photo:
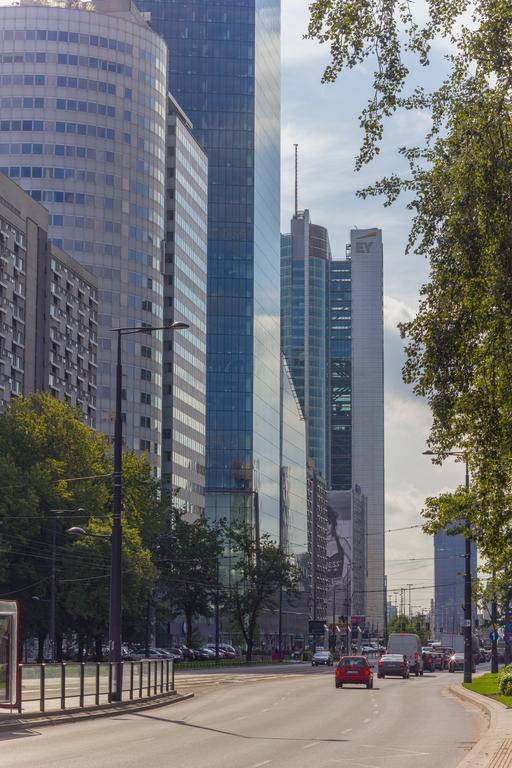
61 150
90 85
71 105
66 37
39 125
86 246
38 172
17 102
67 59
77 198
22 80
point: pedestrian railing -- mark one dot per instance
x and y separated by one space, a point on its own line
44 687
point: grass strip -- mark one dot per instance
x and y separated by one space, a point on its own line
487 685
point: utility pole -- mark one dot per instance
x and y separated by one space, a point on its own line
494 641
468 650
333 640
385 610
410 602
508 625
53 589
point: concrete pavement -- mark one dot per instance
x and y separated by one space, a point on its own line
291 720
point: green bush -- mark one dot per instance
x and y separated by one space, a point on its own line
505 681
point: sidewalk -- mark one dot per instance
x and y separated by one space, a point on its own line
10 722
494 749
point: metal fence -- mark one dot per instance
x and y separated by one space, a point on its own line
44 687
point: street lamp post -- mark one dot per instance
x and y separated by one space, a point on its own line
115 637
468 665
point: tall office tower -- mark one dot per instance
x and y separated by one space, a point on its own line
449 566
368 407
341 374
317 543
83 108
184 371
48 315
294 511
305 263
224 70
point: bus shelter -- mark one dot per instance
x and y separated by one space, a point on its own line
8 652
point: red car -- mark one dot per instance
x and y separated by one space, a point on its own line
354 670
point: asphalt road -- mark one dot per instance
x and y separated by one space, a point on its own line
291 719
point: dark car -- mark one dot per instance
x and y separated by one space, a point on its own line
322 657
394 665
438 661
456 663
354 670
428 659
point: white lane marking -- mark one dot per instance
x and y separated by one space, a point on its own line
367 720
266 710
349 760
347 730
313 744
258 765
244 717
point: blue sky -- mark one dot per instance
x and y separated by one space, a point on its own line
322 119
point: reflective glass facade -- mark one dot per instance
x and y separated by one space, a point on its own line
83 114
294 513
341 374
449 565
184 374
224 72
305 264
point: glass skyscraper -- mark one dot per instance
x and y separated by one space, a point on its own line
449 566
341 374
305 263
224 70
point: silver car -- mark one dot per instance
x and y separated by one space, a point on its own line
322 657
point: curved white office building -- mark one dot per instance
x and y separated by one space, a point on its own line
82 129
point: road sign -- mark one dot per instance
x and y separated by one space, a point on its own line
466 623
493 635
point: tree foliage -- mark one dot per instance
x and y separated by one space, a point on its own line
55 469
261 568
459 186
415 625
187 556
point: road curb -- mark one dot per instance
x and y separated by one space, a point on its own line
499 720
75 715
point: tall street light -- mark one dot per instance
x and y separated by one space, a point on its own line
53 579
117 534
468 665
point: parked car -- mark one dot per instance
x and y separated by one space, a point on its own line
354 670
407 644
206 654
393 665
456 663
322 657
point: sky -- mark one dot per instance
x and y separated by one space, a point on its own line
323 120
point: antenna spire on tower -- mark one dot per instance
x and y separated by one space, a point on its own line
296 179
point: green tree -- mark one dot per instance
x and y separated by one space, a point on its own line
44 448
415 625
459 188
261 569
187 556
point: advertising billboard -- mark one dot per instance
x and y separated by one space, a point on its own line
8 652
339 551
